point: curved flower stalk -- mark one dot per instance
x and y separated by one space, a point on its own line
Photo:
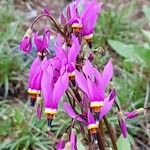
52 92
94 83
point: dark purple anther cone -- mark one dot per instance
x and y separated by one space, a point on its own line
90 45
49 122
32 102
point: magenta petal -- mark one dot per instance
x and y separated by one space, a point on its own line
123 128
92 90
59 88
88 69
131 115
47 88
26 44
122 124
63 19
90 118
107 73
108 103
68 109
34 69
38 80
74 51
82 82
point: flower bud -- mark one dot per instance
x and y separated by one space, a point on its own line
135 113
61 143
26 43
122 123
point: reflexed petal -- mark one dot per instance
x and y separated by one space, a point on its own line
88 69
74 51
47 88
108 103
90 118
92 90
63 19
59 89
82 82
68 109
107 73
34 69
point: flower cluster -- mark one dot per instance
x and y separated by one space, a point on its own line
70 71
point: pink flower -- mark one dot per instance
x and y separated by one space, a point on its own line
52 92
94 83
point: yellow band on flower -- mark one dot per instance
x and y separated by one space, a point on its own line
76 25
96 104
33 91
92 126
50 111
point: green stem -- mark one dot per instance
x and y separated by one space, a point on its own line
111 132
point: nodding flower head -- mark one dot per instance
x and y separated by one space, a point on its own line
42 43
52 92
89 18
73 17
35 77
94 83
26 42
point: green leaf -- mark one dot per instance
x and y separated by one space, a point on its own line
146 11
18 116
123 143
146 34
134 53
124 50
144 55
